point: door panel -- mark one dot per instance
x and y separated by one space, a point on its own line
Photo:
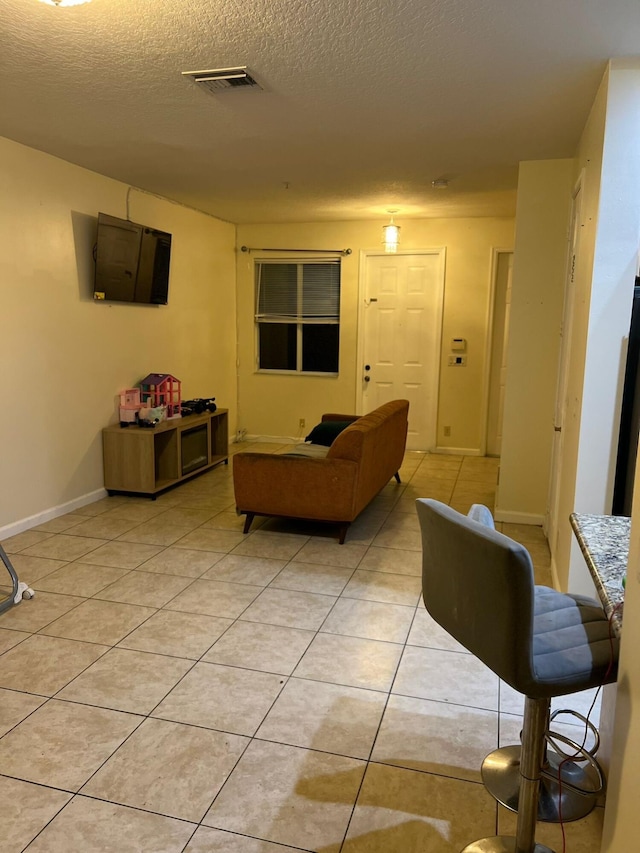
401 338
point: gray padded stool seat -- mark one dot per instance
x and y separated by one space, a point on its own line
479 586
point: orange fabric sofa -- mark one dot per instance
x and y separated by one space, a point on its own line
334 488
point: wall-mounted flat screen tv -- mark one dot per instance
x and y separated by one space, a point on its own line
132 262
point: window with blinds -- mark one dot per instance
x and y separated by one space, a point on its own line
298 315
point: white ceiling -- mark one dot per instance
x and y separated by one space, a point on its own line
364 102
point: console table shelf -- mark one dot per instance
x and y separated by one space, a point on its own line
148 460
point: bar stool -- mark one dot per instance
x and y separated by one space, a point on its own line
479 586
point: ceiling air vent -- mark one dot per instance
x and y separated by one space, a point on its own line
223 79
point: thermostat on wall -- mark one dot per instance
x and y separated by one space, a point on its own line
458 344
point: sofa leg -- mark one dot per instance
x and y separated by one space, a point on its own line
248 520
397 476
343 533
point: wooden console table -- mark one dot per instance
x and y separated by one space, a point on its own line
148 460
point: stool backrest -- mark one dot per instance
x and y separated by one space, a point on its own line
479 586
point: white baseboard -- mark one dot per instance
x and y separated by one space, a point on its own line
518 517
47 514
458 451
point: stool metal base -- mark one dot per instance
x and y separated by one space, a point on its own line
501 778
501 844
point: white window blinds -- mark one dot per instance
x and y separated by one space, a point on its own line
298 291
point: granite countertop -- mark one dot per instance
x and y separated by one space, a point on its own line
604 542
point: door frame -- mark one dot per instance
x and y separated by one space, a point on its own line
491 305
365 254
550 523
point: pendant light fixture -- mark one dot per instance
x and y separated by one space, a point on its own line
391 235
65 2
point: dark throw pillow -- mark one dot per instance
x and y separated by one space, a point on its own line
325 432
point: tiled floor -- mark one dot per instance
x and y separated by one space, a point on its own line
176 685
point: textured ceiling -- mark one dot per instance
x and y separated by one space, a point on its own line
364 102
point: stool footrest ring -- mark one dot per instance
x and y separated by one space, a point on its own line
501 777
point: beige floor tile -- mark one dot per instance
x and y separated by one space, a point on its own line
79 579
61 744
425 631
446 677
183 635
26 809
211 539
403 540
169 768
312 577
155 532
127 680
95 621
329 717
221 697
45 664
63 546
23 540
306 797
363 530
216 503
402 810
478 493
86 825
9 639
122 555
267 648
33 614
371 620
437 488
230 520
208 840
137 511
31 569
103 527
100 506
181 561
238 569
582 836
383 586
436 737
289 608
146 588
14 707
61 524
449 461
351 661
215 598
329 552
186 516
392 560
278 546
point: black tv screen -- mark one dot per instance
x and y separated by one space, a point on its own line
132 262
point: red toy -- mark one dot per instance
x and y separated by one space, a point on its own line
162 389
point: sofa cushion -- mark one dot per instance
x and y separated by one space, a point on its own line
325 432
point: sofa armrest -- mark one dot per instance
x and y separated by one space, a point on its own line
270 484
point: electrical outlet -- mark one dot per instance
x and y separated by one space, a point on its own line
447 431
302 423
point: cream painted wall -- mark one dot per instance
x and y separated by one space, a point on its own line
271 405
539 265
65 357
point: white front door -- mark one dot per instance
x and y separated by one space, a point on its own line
401 333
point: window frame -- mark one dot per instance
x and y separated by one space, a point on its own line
299 321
